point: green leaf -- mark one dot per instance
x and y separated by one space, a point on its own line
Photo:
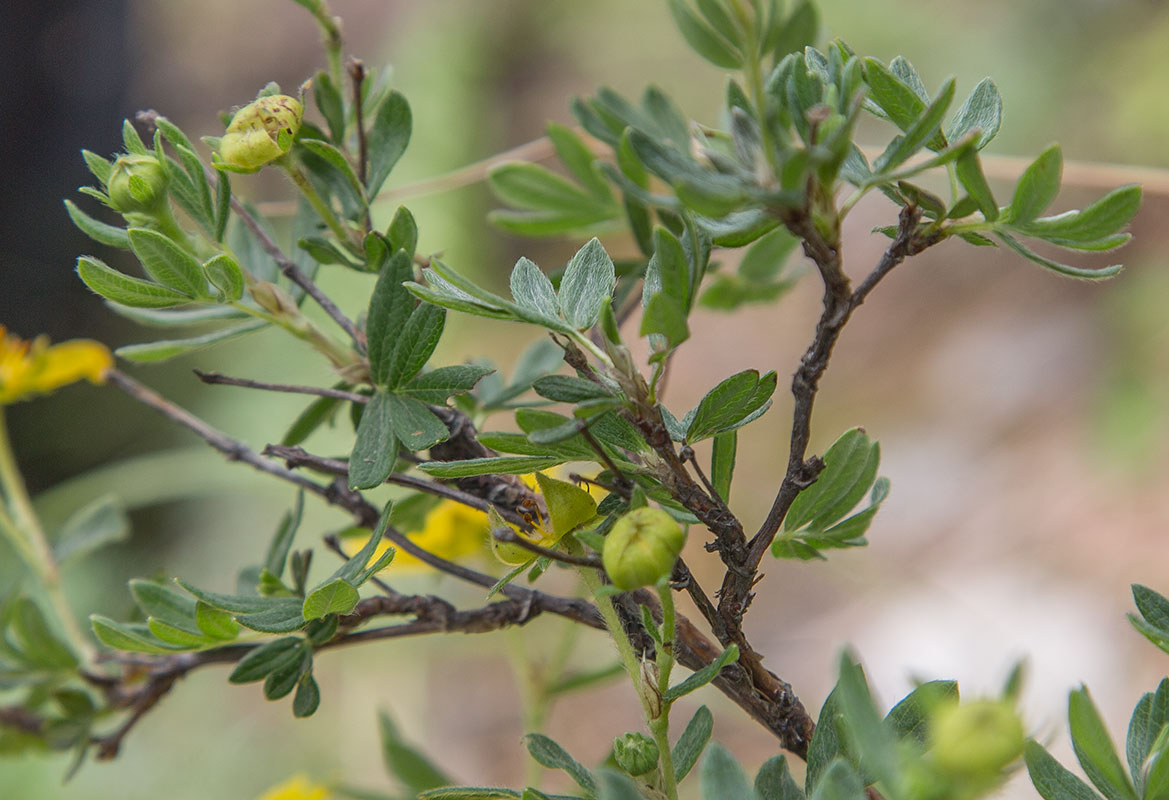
376 447
1098 221
100 522
692 742
226 276
871 741
981 111
280 682
536 188
406 763
403 231
1055 266
439 384
503 465
416 342
390 306
578 159
551 755
703 39
166 604
100 167
839 782
388 137
167 263
730 404
909 719
283 617
799 30
850 467
180 637
314 415
896 98
1148 720
267 658
588 279
1153 606
308 697
665 317
234 603
215 623
281 543
923 129
825 745
330 104
113 285
1094 748
37 639
532 290
335 597
722 777
774 781
703 676
568 389
101 232
166 349
336 159
1037 187
1052 780
134 638
766 258
222 204
550 223
415 426
969 170
353 569
614 786
722 463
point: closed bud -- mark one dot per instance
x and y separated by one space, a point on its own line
137 184
261 132
641 548
976 741
635 753
274 300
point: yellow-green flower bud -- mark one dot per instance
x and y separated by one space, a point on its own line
975 741
261 132
137 184
641 548
635 753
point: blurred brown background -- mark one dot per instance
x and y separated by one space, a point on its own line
1022 416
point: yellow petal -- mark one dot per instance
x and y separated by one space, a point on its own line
298 787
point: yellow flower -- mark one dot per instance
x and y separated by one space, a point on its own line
452 531
298 787
28 368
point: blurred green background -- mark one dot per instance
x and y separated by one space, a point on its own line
1022 417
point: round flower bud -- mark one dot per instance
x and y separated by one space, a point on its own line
641 548
137 184
975 741
261 132
635 753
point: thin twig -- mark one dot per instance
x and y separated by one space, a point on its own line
290 270
357 77
508 536
248 383
298 457
771 703
621 483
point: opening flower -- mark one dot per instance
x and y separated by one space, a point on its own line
261 132
36 367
